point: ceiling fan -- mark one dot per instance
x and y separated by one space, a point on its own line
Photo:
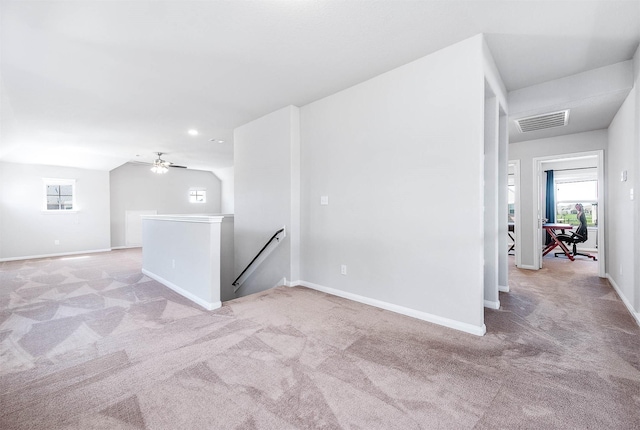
161 166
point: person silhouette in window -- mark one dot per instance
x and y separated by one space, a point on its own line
582 218
578 236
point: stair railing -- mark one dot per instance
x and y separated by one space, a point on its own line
280 234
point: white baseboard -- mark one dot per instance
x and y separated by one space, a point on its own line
634 314
446 322
524 266
205 304
61 254
503 288
125 247
491 305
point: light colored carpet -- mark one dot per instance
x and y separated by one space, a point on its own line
91 343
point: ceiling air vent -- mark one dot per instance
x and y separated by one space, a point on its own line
544 121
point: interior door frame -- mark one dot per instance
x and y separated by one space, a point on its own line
517 220
537 226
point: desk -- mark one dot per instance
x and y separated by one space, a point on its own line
551 229
511 232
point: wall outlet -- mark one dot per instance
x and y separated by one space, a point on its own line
343 269
173 264
56 242
324 200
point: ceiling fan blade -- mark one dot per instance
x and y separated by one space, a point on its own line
144 163
158 162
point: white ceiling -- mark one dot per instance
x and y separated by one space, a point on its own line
95 84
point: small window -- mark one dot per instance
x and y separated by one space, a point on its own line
59 194
197 195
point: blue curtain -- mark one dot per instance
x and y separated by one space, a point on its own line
550 212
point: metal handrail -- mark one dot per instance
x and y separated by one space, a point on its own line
275 236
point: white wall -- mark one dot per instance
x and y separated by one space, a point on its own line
623 235
636 229
27 231
400 158
526 152
503 201
495 182
2 209
227 191
135 187
265 157
491 208
191 254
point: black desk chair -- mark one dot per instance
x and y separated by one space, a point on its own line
511 232
578 236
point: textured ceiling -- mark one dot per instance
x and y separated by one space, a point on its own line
95 84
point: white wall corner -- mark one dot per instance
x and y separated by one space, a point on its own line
61 254
503 288
226 177
492 75
446 322
115 248
205 304
632 311
491 305
294 228
266 155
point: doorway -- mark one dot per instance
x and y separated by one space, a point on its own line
495 200
514 245
576 177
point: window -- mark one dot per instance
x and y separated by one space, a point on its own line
197 195
59 194
511 197
570 192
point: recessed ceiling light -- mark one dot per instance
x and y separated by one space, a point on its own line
193 132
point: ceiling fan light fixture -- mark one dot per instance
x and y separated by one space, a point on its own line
159 168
